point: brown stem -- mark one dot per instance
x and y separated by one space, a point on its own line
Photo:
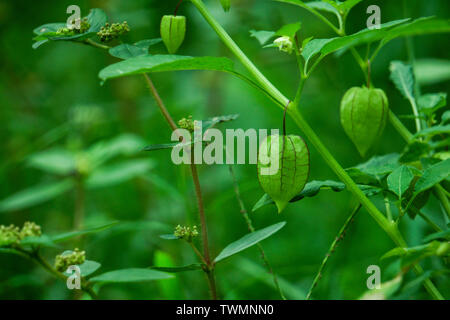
160 103
198 191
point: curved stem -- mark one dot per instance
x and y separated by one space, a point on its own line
37 258
333 247
390 228
198 192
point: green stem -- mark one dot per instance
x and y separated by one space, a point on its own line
96 44
198 192
37 258
223 35
333 246
390 228
440 192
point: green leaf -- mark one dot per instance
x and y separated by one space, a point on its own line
403 78
35 195
414 151
387 290
425 25
190 267
430 103
248 241
130 275
412 255
161 63
432 71
96 18
41 241
400 180
118 173
87 268
126 51
56 161
72 234
380 165
169 236
262 36
432 131
327 46
125 144
432 176
289 30
206 124
313 188
171 288
444 235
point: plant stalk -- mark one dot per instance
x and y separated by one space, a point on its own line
198 192
390 228
333 247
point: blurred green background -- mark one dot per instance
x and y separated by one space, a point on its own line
51 98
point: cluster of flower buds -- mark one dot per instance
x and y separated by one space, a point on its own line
112 31
11 235
186 233
69 258
187 123
284 44
65 31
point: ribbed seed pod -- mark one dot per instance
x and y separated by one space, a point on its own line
364 113
283 167
225 5
173 30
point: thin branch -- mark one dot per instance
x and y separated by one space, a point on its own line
333 247
252 229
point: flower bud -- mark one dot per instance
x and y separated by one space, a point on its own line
364 114
284 43
173 30
186 233
69 258
283 167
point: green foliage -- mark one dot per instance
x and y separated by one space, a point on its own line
248 240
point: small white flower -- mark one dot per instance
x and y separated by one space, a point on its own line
284 44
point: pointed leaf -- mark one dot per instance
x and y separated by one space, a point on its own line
400 180
35 195
161 63
72 234
130 275
118 173
432 176
248 241
191 267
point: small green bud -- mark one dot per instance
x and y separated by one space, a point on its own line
226 4
186 233
364 113
173 30
284 43
69 258
187 124
30 229
9 235
109 32
283 167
